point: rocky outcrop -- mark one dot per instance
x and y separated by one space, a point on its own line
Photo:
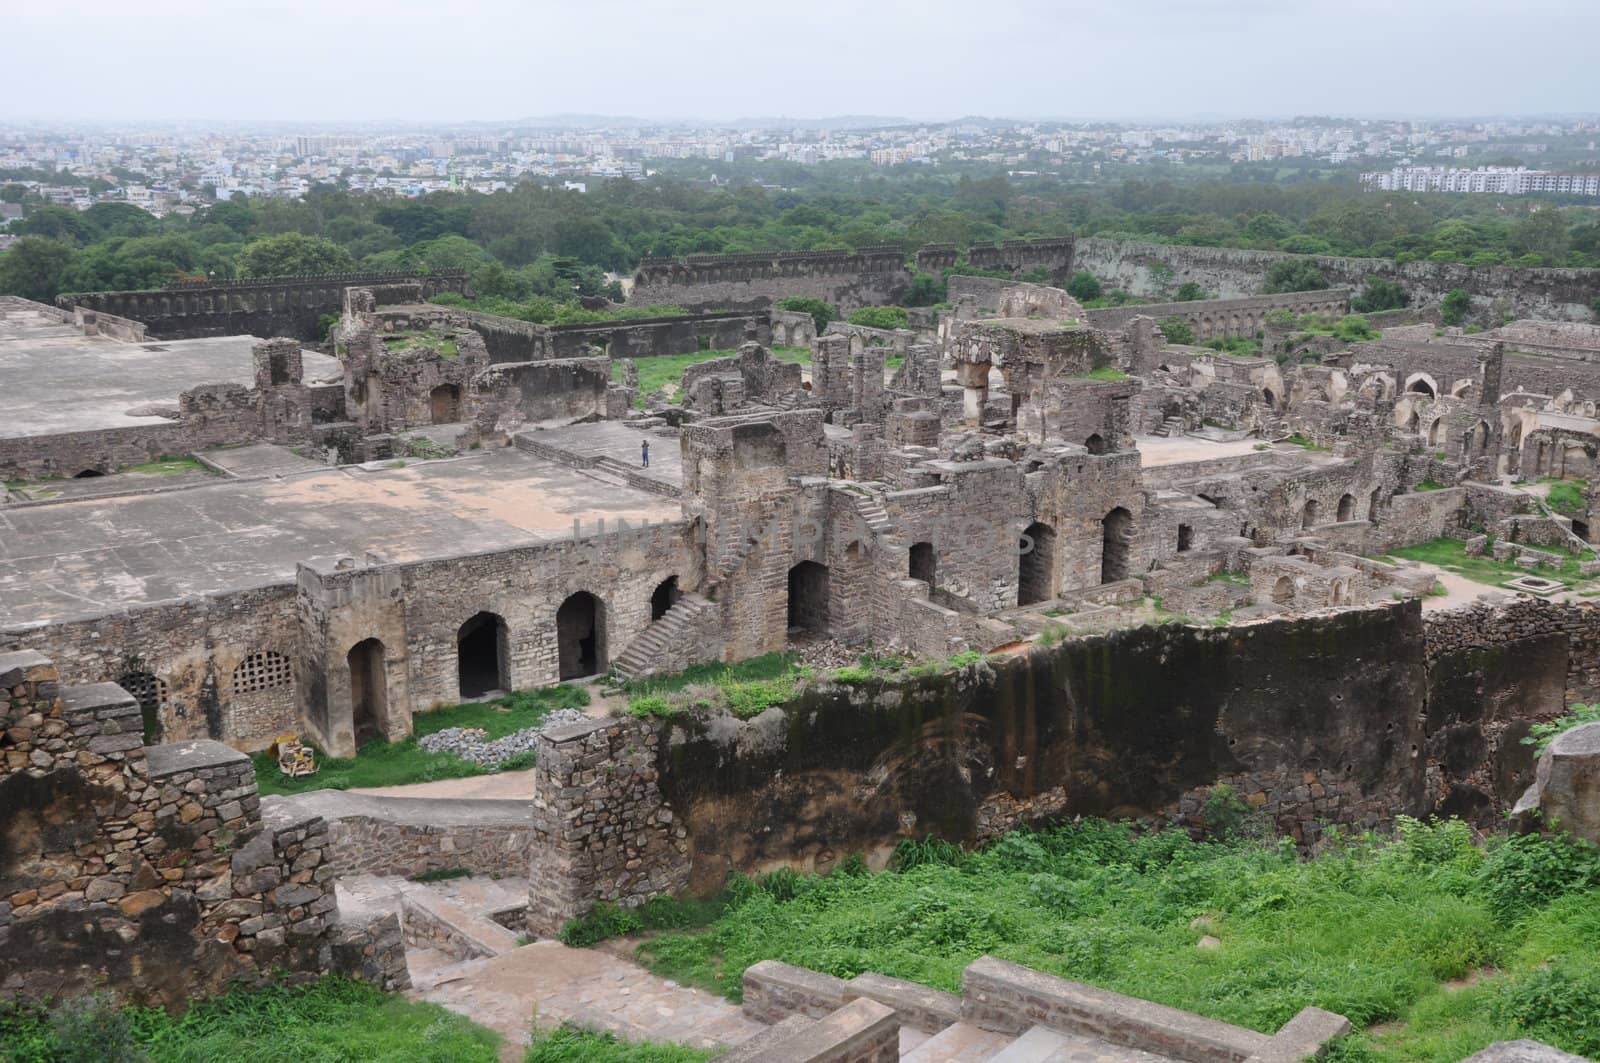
1565 793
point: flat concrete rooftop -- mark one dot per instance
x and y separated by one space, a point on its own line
55 379
84 558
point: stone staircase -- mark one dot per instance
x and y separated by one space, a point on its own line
875 515
1005 1014
664 639
1172 426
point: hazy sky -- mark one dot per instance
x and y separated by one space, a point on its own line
503 59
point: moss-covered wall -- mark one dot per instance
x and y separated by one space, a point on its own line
1312 720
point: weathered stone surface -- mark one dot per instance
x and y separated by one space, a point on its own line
1565 794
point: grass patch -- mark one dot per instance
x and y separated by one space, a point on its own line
1301 441
442 875
569 1045
168 465
666 371
1566 497
745 689
1237 579
381 763
1106 373
444 346
333 1020
1451 555
1372 929
1429 485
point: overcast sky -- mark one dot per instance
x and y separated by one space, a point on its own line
926 59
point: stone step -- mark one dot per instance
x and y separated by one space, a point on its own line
960 1043
770 1037
1038 1044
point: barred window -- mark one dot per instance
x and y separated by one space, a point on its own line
262 671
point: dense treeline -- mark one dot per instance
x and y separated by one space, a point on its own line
542 241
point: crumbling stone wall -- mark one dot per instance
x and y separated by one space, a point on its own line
266 306
602 829
871 276
1564 294
150 870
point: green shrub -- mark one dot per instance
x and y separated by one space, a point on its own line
1353 327
1176 330
1189 292
884 317
1084 286
1454 306
822 313
1541 735
651 705
604 920
1558 1004
1379 294
1531 870
1566 496
852 675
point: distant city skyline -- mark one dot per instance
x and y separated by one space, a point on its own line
720 60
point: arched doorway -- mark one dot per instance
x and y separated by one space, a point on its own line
1185 538
664 597
1116 535
1036 564
1308 516
481 653
808 598
444 404
580 636
1096 444
923 564
1347 508
369 691
1269 398
1436 433
1423 386
1283 590
1372 505
87 474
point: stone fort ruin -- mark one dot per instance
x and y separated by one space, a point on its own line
1134 569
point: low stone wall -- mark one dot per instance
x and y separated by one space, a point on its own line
410 836
151 872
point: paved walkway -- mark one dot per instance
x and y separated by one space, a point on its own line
505 785
548 983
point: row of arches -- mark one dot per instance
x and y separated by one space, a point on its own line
1344 510
1036 564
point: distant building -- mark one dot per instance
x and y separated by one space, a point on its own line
1499 180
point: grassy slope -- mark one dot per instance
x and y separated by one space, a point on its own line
1372 931
396 763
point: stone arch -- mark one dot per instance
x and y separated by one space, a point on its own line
1308 516
922 563
664 597
808 597
369 691
1437 433
1269 398
1185 538
1340 592
444 404
482 656
1096 444
1347 508
1036 564
1283 590
1116 545
1459 389
581 636
150 691
1373 503
1423 384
